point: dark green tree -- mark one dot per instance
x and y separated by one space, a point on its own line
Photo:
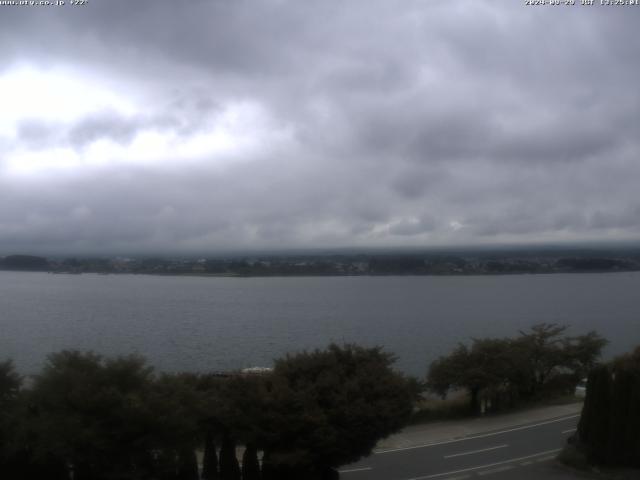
210 457
10 383
92 413
330 407
250 463
593 428
445 372
187 465
609 427
583 352
485 370
543 348
501 371
229 466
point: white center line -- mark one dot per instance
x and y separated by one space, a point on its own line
472 437
545 459
569 431
496 470
351 470
476 451
511 460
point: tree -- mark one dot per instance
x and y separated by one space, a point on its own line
210 458
93 413
485 368
543 349
229 467
445 372
187 465
582 352
330 407
540 361
593 427
10 383
250 463
609 427
547 353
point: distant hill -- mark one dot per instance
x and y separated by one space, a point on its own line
24 262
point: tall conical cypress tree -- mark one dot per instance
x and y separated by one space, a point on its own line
267 471
609 428
166 465
594 425
229 467
618 452
634 422
187 465
210 458
250 464
584 424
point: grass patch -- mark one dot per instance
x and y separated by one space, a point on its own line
431 408
455 406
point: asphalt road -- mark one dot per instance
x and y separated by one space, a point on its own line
516 452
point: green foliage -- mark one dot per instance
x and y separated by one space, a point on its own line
432 409
250 463
93 413
187 465
593 427
609 428
330 407
97 418
229 467
498 372
582 352
10 383
210 458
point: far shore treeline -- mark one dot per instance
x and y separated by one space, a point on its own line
481 262
88 417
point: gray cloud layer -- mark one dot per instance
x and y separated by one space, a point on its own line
378 124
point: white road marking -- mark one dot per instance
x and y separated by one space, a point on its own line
496 470
351 470
475 451
569 431
485 435
489 465
545 459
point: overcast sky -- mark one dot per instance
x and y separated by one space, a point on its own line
205 125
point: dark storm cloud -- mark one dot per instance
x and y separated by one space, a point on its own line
373 123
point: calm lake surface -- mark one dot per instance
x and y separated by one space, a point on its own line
208 323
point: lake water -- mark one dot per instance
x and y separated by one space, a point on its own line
208 323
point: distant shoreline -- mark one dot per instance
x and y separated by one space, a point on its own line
329 275
342 265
